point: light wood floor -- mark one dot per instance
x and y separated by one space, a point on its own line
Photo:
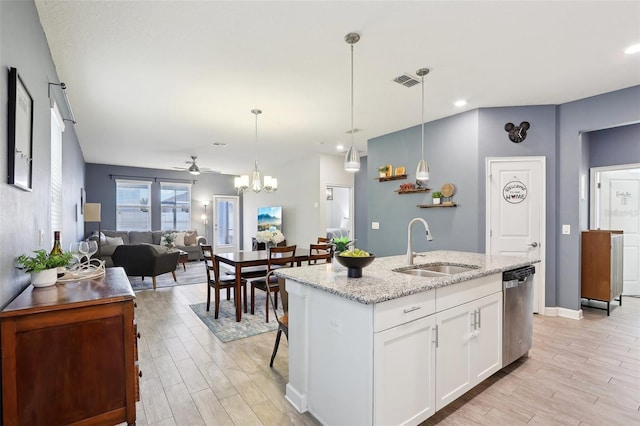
580 372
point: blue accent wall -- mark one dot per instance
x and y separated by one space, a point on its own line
361 223
23 45
618 145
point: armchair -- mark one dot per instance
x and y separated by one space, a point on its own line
145 260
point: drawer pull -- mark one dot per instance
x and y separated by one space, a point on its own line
415 308
140 373
138 335
135 305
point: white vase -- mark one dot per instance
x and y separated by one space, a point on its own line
44 278
436 201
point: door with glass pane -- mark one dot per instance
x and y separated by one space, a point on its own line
226 220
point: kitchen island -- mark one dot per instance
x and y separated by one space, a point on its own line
392 348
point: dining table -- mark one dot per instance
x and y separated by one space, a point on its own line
250 259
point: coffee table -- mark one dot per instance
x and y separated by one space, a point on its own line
183 258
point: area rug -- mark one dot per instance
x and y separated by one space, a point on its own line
195 274
227 329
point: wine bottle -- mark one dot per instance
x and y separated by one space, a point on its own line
57 248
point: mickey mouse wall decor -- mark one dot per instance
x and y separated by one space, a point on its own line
517 133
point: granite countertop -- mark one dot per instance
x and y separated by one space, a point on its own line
380 283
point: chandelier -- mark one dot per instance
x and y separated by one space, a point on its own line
257 183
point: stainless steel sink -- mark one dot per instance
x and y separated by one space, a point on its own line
439 270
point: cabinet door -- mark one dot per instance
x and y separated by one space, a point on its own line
404 362
453 351
486 344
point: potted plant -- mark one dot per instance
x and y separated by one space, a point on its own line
341 243
43 266
436 197
383 170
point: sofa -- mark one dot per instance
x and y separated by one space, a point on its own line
110 240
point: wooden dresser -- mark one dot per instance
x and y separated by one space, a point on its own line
601 270
69 354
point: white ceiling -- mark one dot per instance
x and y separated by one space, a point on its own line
153 82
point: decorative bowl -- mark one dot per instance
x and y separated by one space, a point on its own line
354 265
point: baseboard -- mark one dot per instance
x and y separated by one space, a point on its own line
563 312
295 398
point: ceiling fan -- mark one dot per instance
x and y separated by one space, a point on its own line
194 169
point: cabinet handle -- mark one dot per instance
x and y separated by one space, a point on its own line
435 329
138 335
415 308
479 318
135 305
140 373
475 320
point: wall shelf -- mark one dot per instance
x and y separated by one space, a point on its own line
430 206
387 178
411 191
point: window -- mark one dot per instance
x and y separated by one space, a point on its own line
57 127
175 202
133 205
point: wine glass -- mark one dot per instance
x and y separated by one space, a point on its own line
83 248
93 247
74 249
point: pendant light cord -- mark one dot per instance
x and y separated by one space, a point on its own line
256 165
422 158
352 96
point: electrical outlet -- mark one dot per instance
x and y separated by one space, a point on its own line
41 237
566 229
375 225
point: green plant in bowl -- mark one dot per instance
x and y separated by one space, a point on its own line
341 243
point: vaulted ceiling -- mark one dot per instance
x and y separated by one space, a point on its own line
152 83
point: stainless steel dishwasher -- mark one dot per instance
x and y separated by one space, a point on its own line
517 319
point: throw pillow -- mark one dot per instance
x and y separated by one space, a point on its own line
113 241
191 238
179 242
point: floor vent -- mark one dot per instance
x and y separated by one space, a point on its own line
406 80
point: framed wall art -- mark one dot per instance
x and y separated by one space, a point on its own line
20 135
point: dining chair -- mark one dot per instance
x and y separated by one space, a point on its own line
324 240
218 282
278 257
322 253
283 320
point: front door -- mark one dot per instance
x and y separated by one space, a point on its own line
226 220
617 208
516 213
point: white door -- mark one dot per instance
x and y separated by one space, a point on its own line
226 220
516 213
403 378
617 207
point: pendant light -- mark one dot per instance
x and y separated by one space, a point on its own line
352 159
422 172
269 184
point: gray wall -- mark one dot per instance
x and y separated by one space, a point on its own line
451 149
101 188
574 118
457 148
23 45
619 145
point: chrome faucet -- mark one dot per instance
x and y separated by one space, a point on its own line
410 253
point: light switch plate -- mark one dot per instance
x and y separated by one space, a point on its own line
566 229
375 225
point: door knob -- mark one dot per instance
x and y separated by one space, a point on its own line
533 244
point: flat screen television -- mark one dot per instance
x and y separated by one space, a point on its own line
270 218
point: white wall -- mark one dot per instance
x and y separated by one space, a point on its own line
301 193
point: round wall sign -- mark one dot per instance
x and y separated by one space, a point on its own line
514 192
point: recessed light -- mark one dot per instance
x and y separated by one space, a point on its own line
219 144
460 103
634 48
340 147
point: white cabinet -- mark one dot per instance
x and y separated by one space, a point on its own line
404 366
469 346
